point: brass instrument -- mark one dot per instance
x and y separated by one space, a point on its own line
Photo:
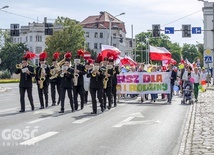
19 66
94 71
76 75
105 80
42 78
55 72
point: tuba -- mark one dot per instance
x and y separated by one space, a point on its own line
42 78
105 80
76 75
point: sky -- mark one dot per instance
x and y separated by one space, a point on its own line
142 14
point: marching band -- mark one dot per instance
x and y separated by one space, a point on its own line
98 78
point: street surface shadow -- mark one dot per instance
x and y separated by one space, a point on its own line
14 113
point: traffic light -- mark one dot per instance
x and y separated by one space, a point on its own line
156 30
186 31
48 29
14 30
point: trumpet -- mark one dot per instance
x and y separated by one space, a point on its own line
63 68
19 66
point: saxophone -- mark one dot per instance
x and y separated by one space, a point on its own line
76 75
55 72
42 78
105 80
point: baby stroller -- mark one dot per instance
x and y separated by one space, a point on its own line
187 93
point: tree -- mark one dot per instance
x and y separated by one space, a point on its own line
11 55
190 52
71 38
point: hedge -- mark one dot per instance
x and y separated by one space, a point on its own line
9 80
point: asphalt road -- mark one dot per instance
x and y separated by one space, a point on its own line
130 128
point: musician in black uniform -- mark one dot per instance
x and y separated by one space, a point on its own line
116 71
107 91
55 79
26 73
79 72
67 76
96 86
42 79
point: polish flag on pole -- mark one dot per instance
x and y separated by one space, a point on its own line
159 53
111 49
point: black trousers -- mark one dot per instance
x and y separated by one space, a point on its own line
107 93
78 90
94 92
62 95
42 91
86 96
22 96
55 86
114 94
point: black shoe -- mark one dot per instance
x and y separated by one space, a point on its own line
62 111
72 110
115 105
32 108
46 105
41 108
93 113
53 104
58 102
82 107
22 111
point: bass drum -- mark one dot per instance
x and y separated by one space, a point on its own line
86 83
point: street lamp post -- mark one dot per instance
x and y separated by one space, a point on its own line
110 22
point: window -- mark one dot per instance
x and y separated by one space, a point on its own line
101 35
114 35
26 38
38 50
115 45
87 45
100 45
14 40
31 38
95 35
37 62
20 40
17 40
31 49
87 34
95 45
38 38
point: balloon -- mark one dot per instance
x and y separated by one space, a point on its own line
181 66
191 80
175 88
204 86
202 89
149 70
203 82
199 86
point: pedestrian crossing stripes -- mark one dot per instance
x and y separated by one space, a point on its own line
37 139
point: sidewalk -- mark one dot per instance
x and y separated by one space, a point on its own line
198 137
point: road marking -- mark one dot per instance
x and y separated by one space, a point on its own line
124 122
44 111
34 140
82 120
9 109
38 120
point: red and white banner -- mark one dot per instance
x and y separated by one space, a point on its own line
159 53
110 51
87 55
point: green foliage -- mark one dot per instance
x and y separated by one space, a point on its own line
11 55
190 52
71 38
5 74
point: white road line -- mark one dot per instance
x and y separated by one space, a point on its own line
82 120
9 109
38 138
38 120
124 122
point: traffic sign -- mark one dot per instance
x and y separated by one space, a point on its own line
196 30
169 30
208 59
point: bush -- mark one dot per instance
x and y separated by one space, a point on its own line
9 80
5 74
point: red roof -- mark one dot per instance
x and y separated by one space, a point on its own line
103 18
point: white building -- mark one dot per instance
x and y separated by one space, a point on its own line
97 30
33 36
208 11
